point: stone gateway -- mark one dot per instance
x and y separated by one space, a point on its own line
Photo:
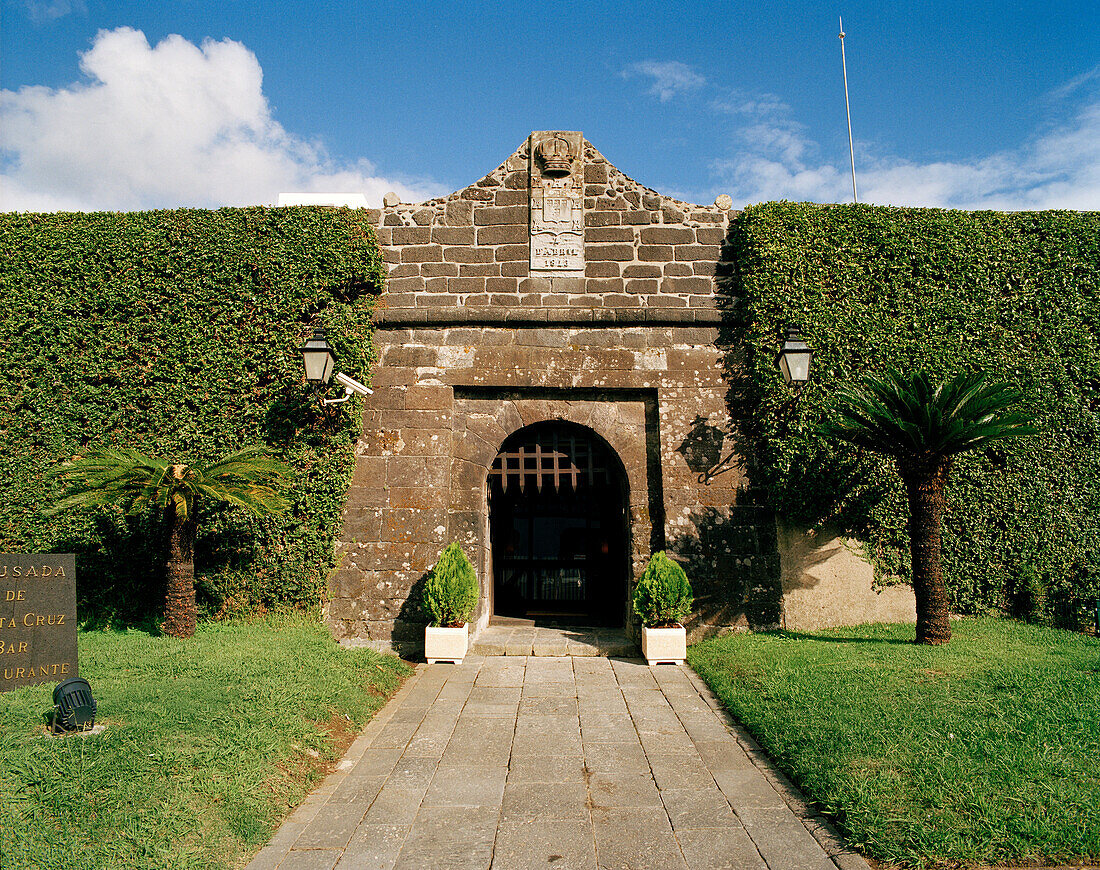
549 393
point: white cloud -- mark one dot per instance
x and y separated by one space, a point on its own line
740 103
48 10
165 126
776 158
1074 84
670 78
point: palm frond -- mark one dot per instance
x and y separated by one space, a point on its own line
250 478
258 498
250 463
108 476
904 414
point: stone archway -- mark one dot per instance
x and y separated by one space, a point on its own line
558 502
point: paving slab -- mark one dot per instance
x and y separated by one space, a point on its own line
358 790
470 751
395 806
596 727
516 762
332 828
374 847
625 757
623 789
548 705
728 848
693 808
311 859
534 801
680 771
446 837
556 843
467 785
535 743
635 838
784 842
666 742
547 768
377 762
395 734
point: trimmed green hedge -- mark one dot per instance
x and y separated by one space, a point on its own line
175 332
1016 295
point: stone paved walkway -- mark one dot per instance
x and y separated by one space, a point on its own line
516 762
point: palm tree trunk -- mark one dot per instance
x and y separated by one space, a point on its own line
925 479
180 611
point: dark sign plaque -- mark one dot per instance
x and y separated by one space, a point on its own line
37 619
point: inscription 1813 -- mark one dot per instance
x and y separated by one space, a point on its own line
37 619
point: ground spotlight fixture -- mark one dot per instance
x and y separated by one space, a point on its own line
794 359
75 707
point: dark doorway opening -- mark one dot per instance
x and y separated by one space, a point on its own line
558 526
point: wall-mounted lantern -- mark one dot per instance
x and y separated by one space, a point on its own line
318 358
794 359
319 361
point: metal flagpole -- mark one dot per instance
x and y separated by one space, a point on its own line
848 111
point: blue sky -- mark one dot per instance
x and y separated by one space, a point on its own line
127 105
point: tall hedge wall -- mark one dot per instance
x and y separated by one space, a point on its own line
1016 295
175 332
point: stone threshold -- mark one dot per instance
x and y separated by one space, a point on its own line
532 640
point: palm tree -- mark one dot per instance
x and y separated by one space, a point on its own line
923 425
247 478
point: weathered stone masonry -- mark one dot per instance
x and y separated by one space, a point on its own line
554 288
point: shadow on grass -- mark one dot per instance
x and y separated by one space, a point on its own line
800 635
149 625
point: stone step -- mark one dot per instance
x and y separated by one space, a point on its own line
531 641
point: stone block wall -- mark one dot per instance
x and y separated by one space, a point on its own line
446 399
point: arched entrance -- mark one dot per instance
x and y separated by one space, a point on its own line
558 527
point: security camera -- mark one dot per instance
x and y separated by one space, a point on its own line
352 385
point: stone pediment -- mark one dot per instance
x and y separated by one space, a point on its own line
556 233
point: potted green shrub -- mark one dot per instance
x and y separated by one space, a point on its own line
663 599
450 595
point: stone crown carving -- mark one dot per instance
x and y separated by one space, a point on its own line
556 157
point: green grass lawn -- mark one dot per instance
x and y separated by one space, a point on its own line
209 744
983 751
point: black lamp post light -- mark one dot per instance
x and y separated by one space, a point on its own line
319 360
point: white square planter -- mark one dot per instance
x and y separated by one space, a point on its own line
664 646
446 644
